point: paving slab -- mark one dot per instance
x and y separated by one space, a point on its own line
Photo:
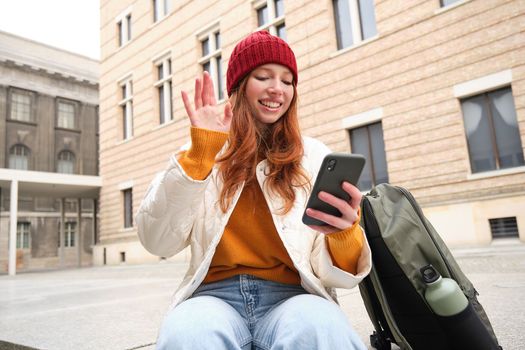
121 307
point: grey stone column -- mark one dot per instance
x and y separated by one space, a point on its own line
62 229
13 221
79 235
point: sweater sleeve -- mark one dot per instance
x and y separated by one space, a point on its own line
345 246
198 161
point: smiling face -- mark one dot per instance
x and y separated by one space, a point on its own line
269 92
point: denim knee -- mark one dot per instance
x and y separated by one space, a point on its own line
306 322
203 323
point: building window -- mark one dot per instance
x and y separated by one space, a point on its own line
354 21
69 234
126 107
270 17
66 115
66 162
124 29
161 8
368 141
21 106
445 3
19 157
211 60
164 90
128 208
22 235
492 131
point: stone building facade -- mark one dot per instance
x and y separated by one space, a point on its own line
48 125
432 92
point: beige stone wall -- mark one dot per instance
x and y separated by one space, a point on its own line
409 70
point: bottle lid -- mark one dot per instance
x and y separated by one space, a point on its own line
429 274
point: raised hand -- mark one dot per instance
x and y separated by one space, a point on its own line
207 114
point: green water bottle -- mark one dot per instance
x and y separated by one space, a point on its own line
443 294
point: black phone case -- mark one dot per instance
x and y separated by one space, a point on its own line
347 167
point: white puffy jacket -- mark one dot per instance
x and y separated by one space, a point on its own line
178 211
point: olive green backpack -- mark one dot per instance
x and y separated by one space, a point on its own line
403 241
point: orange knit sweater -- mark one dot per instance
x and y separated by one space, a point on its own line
250 243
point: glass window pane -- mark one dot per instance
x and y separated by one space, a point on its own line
66 115
205 47
19 158
279 8
359 142
161 105
128 19
368 18
125 122
156 10
262 16
206 66
343 25
281 31
128 208
378 153
20 107
167 6
160 72
219 78
217 40
170 94
120 34
478 134
447 2
26 240
506 128
66 162
168 62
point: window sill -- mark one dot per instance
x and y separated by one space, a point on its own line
164 125
121 142
450 7
353 47
78 131
126 230
22 122
154 24
496 173
123 45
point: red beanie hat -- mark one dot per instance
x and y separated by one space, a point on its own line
255 50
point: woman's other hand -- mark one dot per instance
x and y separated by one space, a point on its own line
207 114
348 209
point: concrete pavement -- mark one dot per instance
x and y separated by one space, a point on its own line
121 307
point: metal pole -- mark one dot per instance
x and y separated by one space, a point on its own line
13 215
62 225
79 230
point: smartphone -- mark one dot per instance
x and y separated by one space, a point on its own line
335 169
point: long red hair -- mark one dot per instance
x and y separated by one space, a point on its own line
281 144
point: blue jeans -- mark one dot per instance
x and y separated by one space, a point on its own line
246 312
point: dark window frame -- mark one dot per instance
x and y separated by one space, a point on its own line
128 207
370 151
496 156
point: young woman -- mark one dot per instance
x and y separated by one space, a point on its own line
258 277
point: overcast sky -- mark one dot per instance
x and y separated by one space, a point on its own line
72 25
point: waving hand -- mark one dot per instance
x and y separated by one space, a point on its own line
206 114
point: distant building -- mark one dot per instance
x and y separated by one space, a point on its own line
48 151
431 92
